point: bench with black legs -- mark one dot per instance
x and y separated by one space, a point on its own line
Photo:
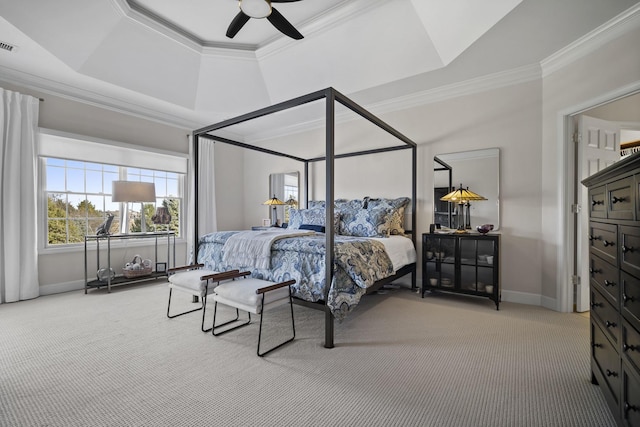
197 281
252 296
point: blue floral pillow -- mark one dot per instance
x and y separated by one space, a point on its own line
365 222
342 204
339 204
397 207
316 204
297 217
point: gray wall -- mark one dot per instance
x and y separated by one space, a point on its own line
507 118
63 269
526 122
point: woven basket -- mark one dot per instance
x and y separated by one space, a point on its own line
129 272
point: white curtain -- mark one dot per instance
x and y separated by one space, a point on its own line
18 197
207 189
207 222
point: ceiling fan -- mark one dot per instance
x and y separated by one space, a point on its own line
262 9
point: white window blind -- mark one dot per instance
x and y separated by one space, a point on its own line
71 147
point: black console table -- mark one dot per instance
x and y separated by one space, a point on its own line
112 279
463 263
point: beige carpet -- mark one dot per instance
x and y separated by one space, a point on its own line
116 360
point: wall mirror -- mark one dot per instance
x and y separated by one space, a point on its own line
285 187
477 170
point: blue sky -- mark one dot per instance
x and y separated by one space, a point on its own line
99 180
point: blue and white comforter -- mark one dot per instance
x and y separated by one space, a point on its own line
359 262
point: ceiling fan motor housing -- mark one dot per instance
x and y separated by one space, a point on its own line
256 8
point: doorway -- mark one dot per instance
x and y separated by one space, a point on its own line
598 134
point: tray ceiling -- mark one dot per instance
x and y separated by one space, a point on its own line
174 57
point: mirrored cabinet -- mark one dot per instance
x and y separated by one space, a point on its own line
465 263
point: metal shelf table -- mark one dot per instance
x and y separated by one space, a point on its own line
119 279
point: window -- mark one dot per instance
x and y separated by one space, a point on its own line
78 191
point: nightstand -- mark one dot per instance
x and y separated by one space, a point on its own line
466 263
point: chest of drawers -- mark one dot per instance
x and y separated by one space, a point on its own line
614 257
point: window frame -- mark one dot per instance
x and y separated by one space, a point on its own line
163 156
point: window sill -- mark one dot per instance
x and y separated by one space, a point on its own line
115 244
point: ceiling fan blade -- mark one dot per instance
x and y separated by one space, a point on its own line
284 26
237 24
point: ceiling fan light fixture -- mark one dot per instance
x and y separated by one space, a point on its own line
256 8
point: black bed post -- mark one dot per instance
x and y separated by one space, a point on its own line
329 196
306 184
414 202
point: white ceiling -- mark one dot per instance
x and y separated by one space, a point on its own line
171 59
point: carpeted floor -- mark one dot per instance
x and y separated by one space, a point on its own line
116 360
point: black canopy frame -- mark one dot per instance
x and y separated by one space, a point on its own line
331 96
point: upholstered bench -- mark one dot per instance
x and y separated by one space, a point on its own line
253 296
196 281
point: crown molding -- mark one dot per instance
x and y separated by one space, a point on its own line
485 83
322 23
162 112
468 87
627 21
96 99
142 15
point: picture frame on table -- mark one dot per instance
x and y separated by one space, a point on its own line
161 267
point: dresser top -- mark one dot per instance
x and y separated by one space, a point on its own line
628 164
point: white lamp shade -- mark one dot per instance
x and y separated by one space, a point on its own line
133 191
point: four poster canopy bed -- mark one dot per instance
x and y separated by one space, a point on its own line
364 240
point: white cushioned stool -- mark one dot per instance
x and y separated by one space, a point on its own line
196 281
253 296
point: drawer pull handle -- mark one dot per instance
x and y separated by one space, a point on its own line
594 345
596 304
611 373
606 243
618 199
627 298
626 347
609 324
595 271
628 407
608 283
626 249
597 202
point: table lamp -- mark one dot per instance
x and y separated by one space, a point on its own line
133 191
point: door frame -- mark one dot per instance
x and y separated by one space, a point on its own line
566 173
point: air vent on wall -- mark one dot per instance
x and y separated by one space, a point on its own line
7 46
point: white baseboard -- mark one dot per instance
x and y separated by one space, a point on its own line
550 303
507 296
57 288
522 297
